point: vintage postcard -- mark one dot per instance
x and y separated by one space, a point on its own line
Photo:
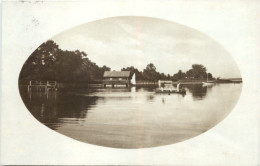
130 82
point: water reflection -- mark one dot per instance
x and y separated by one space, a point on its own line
53 108
150 98
163 101
132 117
197 90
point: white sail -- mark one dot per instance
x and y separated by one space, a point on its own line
178 87
208 83
133 81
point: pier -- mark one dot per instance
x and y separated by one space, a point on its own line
42 85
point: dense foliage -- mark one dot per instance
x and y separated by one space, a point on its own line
198 72
49 62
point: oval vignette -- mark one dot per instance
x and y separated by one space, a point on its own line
99 82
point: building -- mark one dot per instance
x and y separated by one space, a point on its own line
117 78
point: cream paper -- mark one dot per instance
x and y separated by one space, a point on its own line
233 24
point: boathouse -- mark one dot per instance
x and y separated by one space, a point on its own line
116 78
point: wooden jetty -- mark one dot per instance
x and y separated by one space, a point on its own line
182 91
42 85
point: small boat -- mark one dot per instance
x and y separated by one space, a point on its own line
182 91
166 86
208 82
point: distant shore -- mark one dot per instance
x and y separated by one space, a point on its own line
99 83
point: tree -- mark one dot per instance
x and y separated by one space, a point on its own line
68 66
161 76
105 68
49 62
179 75
210 76
150 73
199 71
133 70
190 73
40 64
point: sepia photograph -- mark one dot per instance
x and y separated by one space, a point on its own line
130 82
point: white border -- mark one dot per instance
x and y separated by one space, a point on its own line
234 24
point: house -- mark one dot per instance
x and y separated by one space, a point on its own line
117 78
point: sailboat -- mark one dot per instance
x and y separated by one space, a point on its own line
133 81
208 82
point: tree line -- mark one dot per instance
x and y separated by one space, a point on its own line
197 71
49 62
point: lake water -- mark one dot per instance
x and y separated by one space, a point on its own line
134 117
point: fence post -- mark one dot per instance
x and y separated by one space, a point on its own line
29 86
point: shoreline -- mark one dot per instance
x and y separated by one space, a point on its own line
138 84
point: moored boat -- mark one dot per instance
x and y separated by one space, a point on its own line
166 86
208 82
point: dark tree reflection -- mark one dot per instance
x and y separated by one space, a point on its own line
51 108
197 90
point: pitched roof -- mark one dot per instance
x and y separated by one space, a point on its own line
117 74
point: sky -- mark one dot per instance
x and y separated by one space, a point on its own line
137 41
